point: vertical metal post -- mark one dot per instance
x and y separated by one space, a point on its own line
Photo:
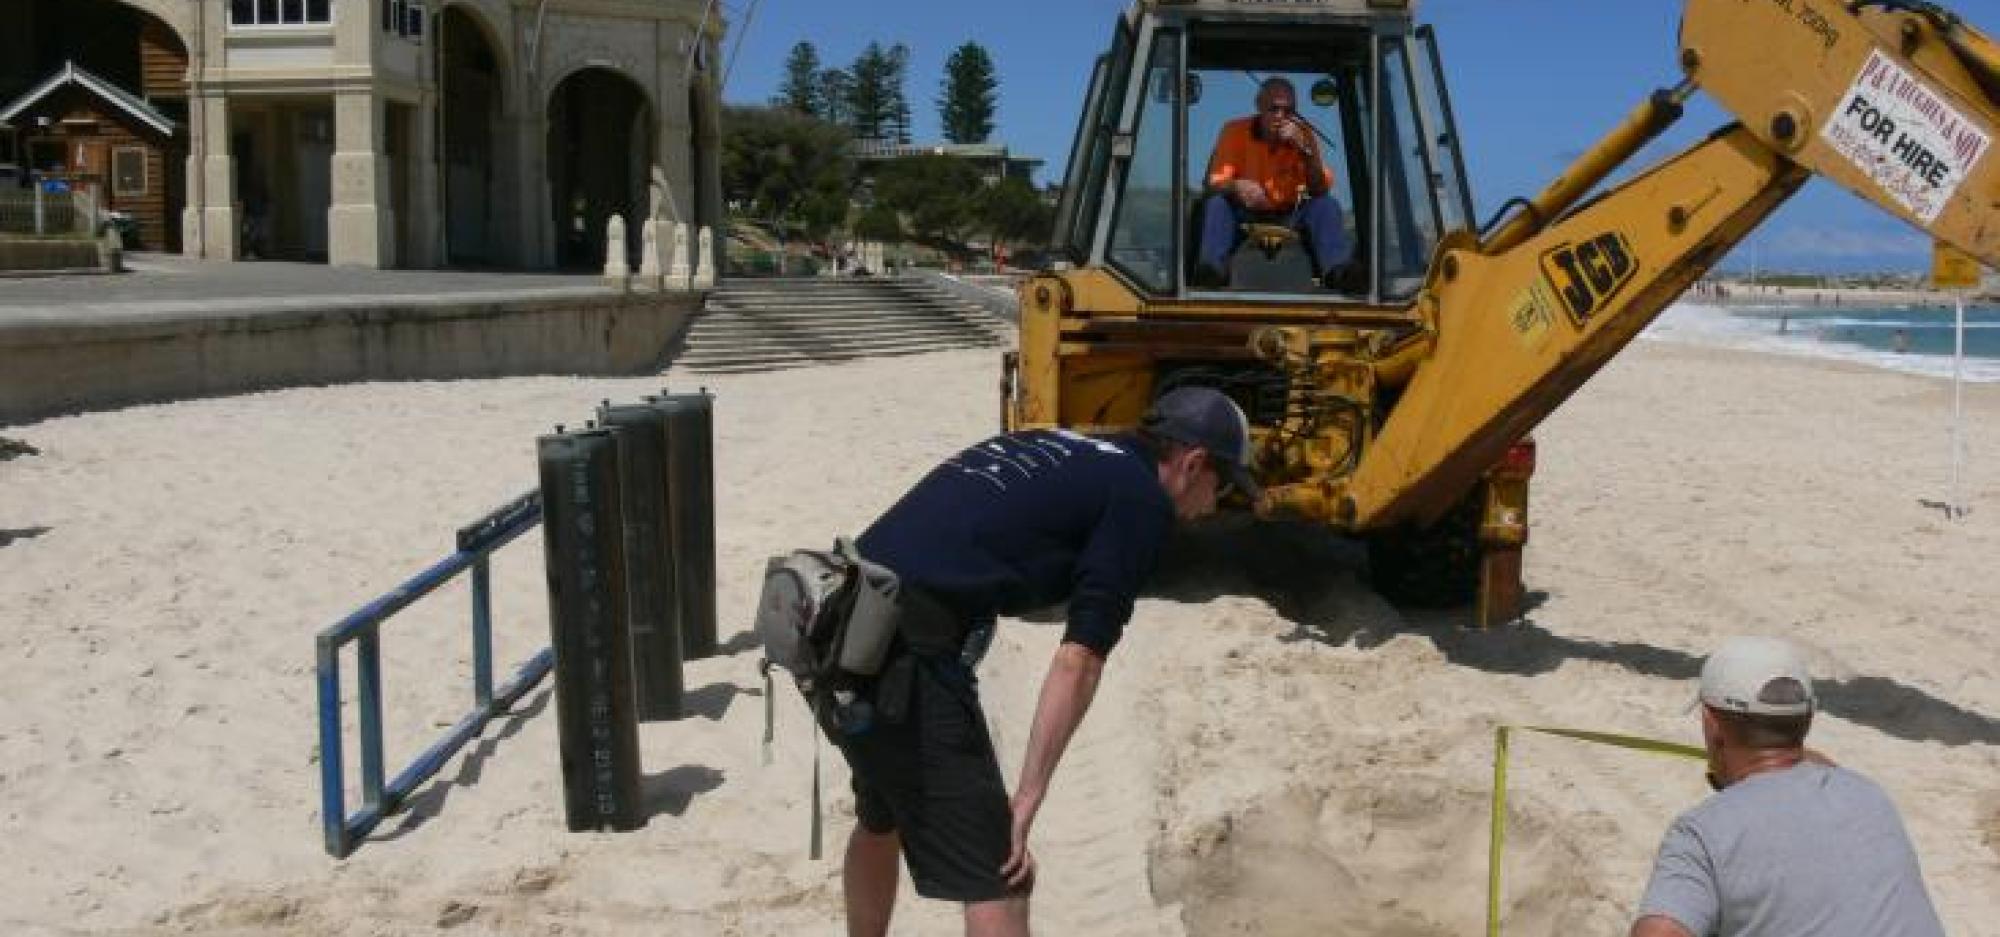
38 208
482 635
1958 506
368 677
1497 838
597 729
332 799
691 515
650 560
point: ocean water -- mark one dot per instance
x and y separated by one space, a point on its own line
1859 334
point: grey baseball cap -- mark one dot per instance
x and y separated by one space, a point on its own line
1206 417
1759 676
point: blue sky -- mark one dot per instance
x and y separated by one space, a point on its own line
1523 113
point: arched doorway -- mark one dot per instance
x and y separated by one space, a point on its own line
600 148
469 112
133 168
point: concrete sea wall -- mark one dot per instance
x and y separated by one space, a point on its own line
75 362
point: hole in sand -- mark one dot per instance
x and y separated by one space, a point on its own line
1402 857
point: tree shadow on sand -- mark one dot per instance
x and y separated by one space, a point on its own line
1318 582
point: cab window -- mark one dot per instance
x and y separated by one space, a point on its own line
1090 152
1229 66
1143 236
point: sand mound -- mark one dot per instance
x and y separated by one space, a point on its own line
1389 858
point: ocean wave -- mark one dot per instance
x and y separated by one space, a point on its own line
1701 324
1849 322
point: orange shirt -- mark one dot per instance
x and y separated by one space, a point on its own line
1279 166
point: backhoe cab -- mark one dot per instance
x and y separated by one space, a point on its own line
1393 398
1132 319
1366 84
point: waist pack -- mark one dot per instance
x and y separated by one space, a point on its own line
826 618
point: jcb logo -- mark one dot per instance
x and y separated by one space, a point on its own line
1587 275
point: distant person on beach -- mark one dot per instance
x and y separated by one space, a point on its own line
1790 843
1018 522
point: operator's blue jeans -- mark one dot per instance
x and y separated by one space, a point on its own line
1319 218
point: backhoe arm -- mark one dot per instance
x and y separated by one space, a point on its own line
1895 103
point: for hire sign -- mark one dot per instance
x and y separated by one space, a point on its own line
1906 137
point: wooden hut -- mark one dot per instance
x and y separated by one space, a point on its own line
108 142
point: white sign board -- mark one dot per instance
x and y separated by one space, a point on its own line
1905 136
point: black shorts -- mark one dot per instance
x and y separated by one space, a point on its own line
933 777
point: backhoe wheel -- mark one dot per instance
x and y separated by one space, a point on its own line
1433 567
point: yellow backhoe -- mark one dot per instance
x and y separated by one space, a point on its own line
1392 397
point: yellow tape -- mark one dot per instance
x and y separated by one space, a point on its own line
1499 837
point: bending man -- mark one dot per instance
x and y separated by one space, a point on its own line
1018 522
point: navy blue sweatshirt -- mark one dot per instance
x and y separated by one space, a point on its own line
1025 520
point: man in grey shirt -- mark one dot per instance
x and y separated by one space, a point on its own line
1790 845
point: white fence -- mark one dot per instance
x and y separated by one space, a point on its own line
33 211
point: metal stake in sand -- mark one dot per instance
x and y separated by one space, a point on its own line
1957 271
584 548
654 608
1958 507
1496 842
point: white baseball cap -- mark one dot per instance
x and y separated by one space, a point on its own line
1759 676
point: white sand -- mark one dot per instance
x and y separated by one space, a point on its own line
1274 751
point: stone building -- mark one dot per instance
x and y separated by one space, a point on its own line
405 133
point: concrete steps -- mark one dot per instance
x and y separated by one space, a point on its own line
775 323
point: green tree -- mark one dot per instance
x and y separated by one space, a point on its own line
792 169
802 90
898 128
969 97
836 91
879 222
939 197
871 97
1014 213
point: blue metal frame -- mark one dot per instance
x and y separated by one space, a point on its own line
476 542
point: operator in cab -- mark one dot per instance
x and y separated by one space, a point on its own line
1261 167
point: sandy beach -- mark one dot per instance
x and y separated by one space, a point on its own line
1275 750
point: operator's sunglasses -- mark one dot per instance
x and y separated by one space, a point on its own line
1281 109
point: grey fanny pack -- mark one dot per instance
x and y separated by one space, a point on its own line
829 618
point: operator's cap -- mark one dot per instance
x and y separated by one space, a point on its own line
1758 676
1205 417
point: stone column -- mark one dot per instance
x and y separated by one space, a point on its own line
538 234
617 268
360 227
508 240
427 227
652 262
208 223
704 260
677 271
